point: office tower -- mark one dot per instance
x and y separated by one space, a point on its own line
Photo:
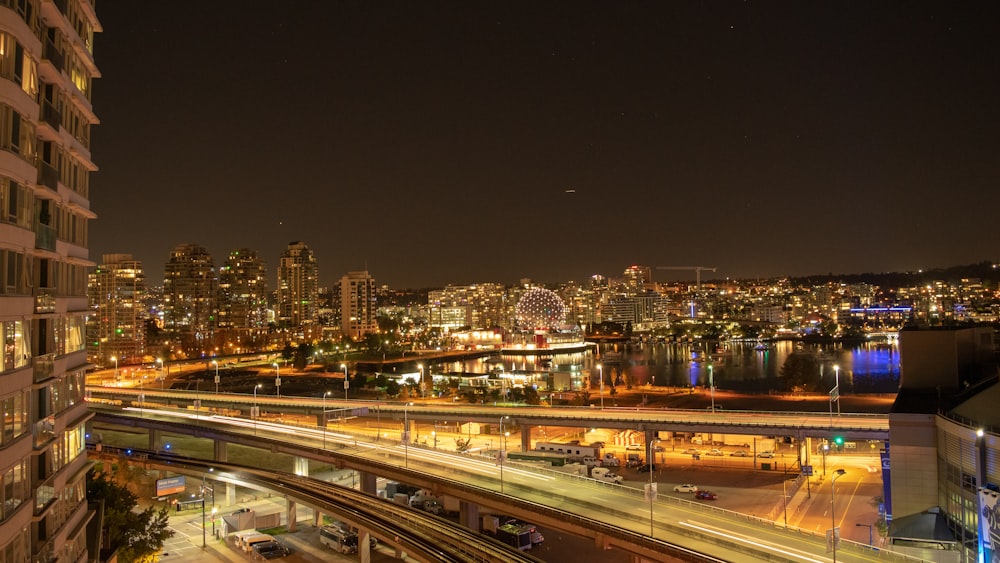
46 67
298 286
636 278
190 299
358 304
116 332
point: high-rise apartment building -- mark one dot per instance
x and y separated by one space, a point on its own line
116 333
242 302
46 67
243 291
358 304
190 299
298 286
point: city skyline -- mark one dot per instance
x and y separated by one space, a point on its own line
549 142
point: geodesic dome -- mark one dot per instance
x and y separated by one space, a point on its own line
540 308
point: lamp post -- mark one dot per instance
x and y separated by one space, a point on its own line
833 510
826 449
651 491
324 418
277 378
711 385
503 451
216 363
255 412
162 375
346 383
115 360
836 374
406 436
422 384
600 372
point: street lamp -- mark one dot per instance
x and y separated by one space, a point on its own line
115 360
406 436
346 384
324 418
255 412
503 451
423 385
711 385
836 374
600 371
833 508
216 363
651 491
277 378
826 449
163 376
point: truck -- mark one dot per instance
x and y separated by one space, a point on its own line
609 460
443 506
606 475
393 488
515 536
551 458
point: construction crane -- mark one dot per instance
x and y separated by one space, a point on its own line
697 272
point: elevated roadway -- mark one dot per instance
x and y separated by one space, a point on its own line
799 425
612 515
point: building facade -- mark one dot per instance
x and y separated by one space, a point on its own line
116 333
46 68
190 300
298 286
358 304
243 302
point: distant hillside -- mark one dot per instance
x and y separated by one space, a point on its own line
983 270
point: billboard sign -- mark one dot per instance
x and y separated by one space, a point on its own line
170 485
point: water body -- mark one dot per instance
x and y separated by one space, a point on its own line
742 366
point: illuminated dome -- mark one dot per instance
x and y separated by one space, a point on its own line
540 308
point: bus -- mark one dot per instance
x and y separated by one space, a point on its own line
338 540
553 459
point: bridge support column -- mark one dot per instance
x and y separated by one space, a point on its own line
230 494
468 515
525 437
291 516
364 545
368 483
221 453
301 467
154 440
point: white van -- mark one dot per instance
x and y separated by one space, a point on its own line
250 541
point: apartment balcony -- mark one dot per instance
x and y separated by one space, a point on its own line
48 176
45 237
44 367
51 54
51 115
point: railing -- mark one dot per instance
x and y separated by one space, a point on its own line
43 367
53 55
45 237
51 115
48 176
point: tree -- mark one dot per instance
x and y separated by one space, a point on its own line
801 372
462 444
138 536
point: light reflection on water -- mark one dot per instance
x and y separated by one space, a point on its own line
865 368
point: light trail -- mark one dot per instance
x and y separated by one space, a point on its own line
749 540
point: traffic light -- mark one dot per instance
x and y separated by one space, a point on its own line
839 441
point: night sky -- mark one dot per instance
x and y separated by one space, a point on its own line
463 142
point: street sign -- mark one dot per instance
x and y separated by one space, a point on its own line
832 539
807 470
835 393
650 491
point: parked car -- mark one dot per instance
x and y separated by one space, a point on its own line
646 468
715 451
766 454
240 511
691 451
740 453
706 495
633 448
271 550
685 488
658 448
